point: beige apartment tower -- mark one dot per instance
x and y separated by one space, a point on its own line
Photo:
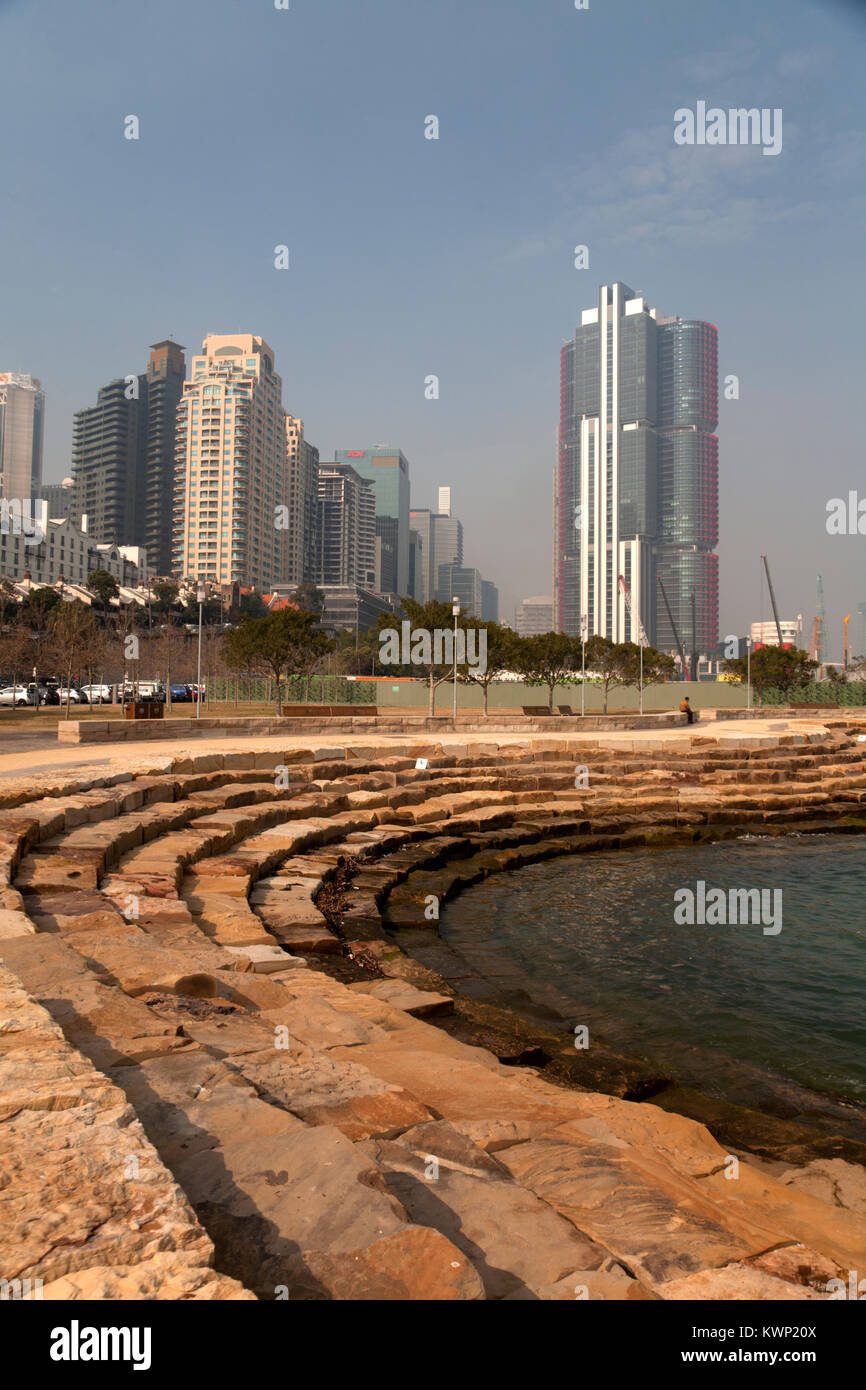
231 489
22 414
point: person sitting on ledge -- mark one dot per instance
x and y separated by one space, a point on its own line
686 709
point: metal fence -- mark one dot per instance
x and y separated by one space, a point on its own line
298 690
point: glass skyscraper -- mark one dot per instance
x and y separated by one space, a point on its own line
636 479
388 470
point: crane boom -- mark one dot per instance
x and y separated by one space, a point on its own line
773 600
680 646
632 612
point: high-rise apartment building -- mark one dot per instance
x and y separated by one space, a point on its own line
109 446
22 432
123 457
301 555
388 470
230 465
347 525
636 480
443 506
163 385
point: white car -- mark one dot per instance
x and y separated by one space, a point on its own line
69 697
97 694
14 696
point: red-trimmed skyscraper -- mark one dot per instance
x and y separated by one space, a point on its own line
636 480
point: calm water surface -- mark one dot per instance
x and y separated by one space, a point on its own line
594 937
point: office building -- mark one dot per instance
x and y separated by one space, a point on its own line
59 498
464 584
489 602
230 466
534 616
388 470
765 634
22 434
636 480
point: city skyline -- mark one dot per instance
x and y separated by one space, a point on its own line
364 316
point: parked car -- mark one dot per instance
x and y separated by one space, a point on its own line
15 695
181 694
71 696
197 692
97 694
43 691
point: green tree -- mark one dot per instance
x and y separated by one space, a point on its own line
501 655
549 658
284 643
308 597
38 605
425 617
252 605
104 588
775 668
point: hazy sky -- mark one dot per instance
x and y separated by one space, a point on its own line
410 256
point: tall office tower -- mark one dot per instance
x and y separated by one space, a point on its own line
347 523
421 522
636 480
489 602
416 562
388 470
446 548
534 616
230 465
22 431
109 447
164 380
463 583
688 481
444 503
301 557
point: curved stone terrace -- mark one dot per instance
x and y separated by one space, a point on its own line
221 1078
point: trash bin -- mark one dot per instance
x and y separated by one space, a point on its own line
143 709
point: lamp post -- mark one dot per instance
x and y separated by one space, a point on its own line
455 609
583 627
201 595
749 672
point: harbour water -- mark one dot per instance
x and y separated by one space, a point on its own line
731 1009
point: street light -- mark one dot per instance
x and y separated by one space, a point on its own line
201 595
455 609
583 626
749 672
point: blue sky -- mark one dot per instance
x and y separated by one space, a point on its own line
455 257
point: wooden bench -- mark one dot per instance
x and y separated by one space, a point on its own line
535 709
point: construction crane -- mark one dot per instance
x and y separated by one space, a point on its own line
633 613
821 653
773 600
681 648
845 622
815 645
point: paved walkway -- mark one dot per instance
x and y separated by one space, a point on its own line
54 757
